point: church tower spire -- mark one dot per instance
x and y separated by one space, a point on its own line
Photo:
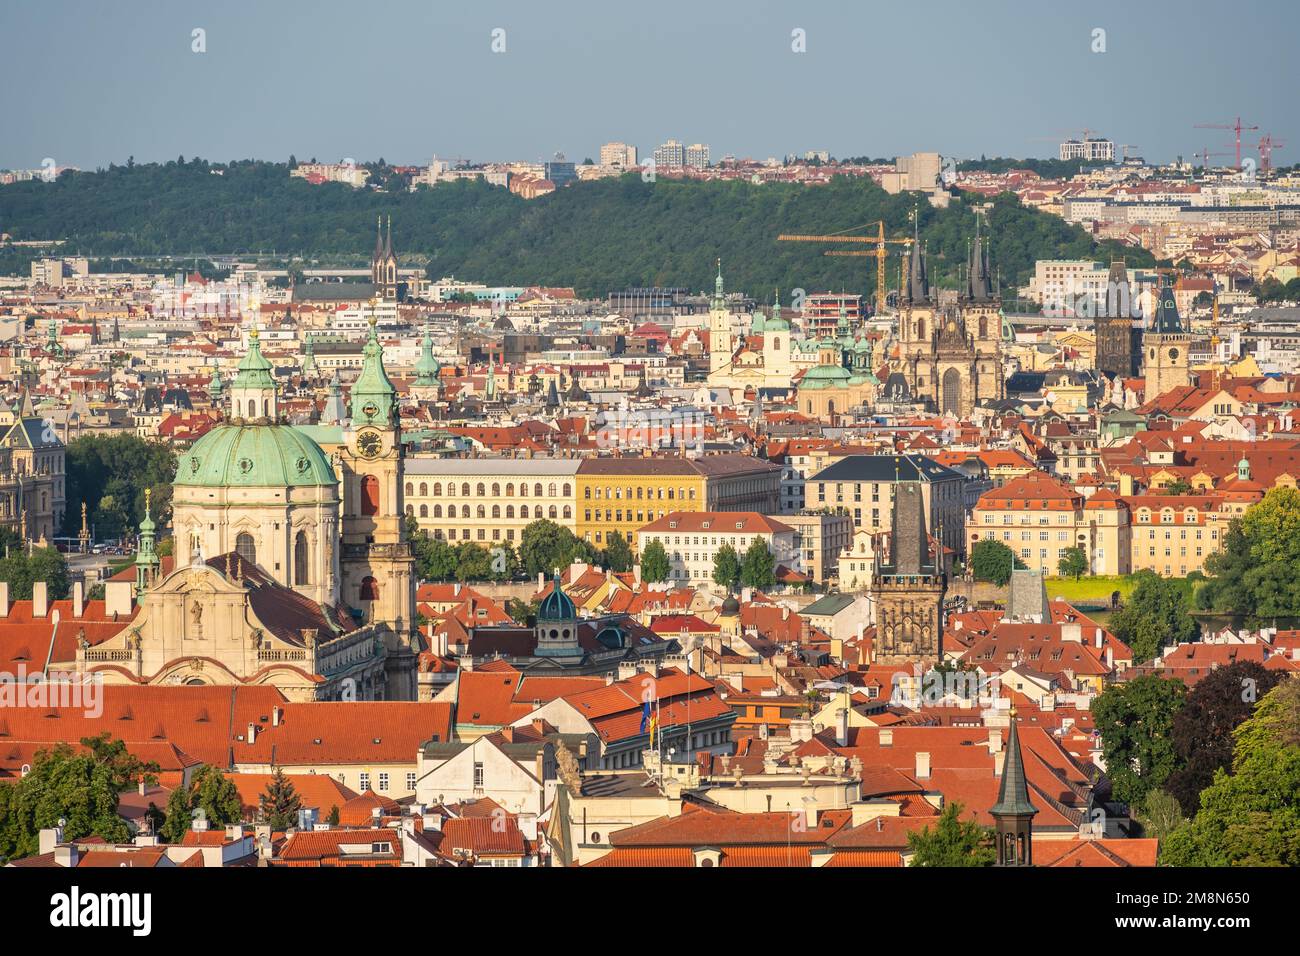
1014 813
146 560
374 399
253 392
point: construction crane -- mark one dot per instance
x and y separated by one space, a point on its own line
1205 155
1266 146
1237 127
881 252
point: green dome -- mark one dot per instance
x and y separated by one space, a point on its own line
825 376
254 456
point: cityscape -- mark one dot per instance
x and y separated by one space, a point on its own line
658 504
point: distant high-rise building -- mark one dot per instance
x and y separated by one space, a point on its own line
1092 150
697 156
671 153
618 154
559 171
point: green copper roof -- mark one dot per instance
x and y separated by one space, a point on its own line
427 368
254 369
254 456
1013 793
373 399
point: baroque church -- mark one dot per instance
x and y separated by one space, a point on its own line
291 566
951 357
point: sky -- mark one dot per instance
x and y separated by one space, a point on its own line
93 82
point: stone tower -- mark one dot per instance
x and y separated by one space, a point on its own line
909 586
1166 346
1119 339
1013 814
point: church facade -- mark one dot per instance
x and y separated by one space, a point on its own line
291 566
951 357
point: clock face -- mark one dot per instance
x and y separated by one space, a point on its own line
369 444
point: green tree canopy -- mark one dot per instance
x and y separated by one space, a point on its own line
952 841
1250 814
992 561
1074 563
758 566
618 553
1136 720
654 563
1257 571
726 567
278 806
80 786
22 570
1155 614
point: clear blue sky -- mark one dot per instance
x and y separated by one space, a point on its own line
93 82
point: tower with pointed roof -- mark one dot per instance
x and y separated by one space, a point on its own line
383 264
721 344
909 586
310 370
1013 814
377 572
253 392
146 559
427 368
216 389
1166 346
1118 337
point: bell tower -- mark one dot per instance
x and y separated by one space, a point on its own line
1166 347
1013 813
721 346
376 566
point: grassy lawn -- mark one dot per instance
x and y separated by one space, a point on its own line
1097 588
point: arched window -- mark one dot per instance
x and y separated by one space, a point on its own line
984 326
301 561
424 511
510 490
568 512
776 344
568 489
552 514
370 495
523 511
424 489
496 490
252 408
482 489
482 512
410 510
496 511
437 489
464 489
410 489
510 511
245 548
550 491
920 328
437 511
369 589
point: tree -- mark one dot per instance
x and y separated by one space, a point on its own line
952 841
505 562
1250 815
333 818
22 570
1136 721
1160 814
1155 614
472 562
1257 571
544 546
80 787
758 567
726 567
1202 732
654 563
1074 564
280 804
618 553
992 561
210 796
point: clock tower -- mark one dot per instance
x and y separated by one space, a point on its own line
376 567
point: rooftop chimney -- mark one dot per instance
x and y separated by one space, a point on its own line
886 737
922 764
252 732
995 741
78 599
4 598
277 715
40 599
842 727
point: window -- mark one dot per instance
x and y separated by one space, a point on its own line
478 775
301 568
364 782
369 589
370 495
245 548
410 780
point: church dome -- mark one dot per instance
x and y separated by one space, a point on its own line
556 606
254 456
825 376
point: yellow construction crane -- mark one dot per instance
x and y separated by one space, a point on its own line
881 252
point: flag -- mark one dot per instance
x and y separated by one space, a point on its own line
654 723
645 716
